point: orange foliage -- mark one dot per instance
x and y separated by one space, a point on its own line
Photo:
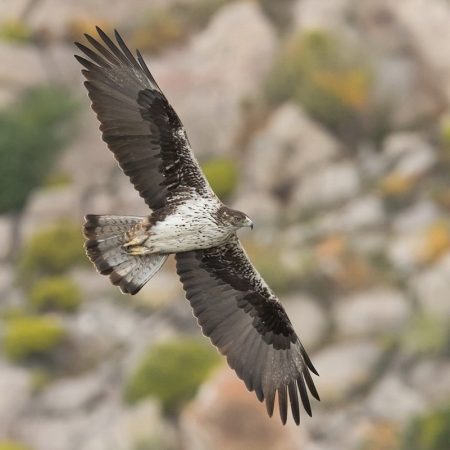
350 87
436 242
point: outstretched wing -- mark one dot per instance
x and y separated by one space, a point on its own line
138 123
246 322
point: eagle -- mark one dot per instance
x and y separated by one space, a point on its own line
233 305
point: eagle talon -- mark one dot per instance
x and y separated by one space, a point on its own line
136 250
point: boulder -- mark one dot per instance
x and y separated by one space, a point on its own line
345 367
308 319
392 399
378 310
432 288
6 236
222 67
16 389
290 145
70 395
49 205
332 184
225 415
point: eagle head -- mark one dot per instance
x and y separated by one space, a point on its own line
233 218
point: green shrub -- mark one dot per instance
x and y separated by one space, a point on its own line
55 293
14 31
160 28
429 432
172 371
426 334
27 337
164 26
222 175
12 445
53 250
327 78
57 180
32 132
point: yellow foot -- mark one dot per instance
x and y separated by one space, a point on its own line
137 250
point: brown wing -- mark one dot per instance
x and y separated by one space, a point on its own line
138 123
247 323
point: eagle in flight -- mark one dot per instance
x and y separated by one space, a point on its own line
233 305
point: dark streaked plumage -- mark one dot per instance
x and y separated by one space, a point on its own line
234 306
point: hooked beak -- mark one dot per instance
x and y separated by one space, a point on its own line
249 223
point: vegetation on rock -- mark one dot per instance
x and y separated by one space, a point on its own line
53 250
12 445
28 336
32 133
222 175
57 293
429 432
327 78
172 371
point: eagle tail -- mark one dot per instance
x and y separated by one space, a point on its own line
105 239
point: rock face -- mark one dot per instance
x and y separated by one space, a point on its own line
291 144
334 183
222 67
308 319
347 366
15 386
224 415
393 400
432 288
377 311
353 237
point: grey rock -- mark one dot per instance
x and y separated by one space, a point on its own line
410 154
73 394
361 213
326 14
430 377
47 206
101 201
404 250
91 284
225 415
208 98
135 427
392 399
7 278
22 66
376 311
416 217
432 288
364 212
288 146
54 16
87 159
422 22
334 183
6 236
52 433
307 317
399 83
345 367
163 289
16 391
261 206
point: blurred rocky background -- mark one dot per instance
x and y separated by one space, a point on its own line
328 122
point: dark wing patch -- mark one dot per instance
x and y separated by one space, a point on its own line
138 123
248 325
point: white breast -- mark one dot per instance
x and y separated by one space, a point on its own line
190 227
